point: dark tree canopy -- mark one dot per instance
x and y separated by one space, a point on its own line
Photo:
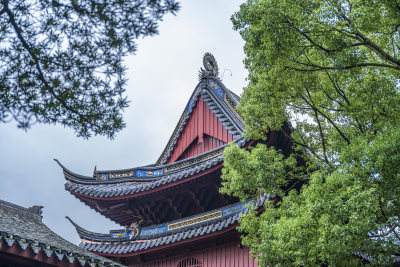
61 61
332 69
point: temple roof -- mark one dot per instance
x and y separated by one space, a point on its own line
212 102
22 226
218 99
118 242
176 171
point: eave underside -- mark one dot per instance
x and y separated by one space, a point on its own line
183 200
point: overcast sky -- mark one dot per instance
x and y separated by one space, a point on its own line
162 75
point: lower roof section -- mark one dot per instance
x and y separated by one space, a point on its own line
24 238
122 243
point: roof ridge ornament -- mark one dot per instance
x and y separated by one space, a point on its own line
210 67
36 210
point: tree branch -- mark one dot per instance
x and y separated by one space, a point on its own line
309 39
368 64
332 99
387 219
299 107
329 119
3 10
385 56
337 88
320 46
369 43
334 125
302 144
41 76
391 229
319 125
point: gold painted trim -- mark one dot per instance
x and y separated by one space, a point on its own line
195 220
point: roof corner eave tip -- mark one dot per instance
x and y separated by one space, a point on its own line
59 163
71 176
71 221
78 228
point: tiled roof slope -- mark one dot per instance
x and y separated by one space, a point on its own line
184 169
117 242
24 227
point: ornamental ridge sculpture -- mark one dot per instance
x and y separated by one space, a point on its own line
210 67
132 231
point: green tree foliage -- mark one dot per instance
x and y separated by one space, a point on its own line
61 60
331 68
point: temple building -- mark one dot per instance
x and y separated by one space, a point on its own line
26 241
171 212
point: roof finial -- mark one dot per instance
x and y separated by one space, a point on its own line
36 209
210 67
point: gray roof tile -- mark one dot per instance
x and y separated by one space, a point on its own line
26 227
107 244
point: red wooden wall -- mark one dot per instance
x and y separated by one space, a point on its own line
203 132
225 255
196 148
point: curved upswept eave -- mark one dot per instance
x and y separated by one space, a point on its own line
187 234
122 190
199 224
167 169
86 234
74 177
184 170
129 183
